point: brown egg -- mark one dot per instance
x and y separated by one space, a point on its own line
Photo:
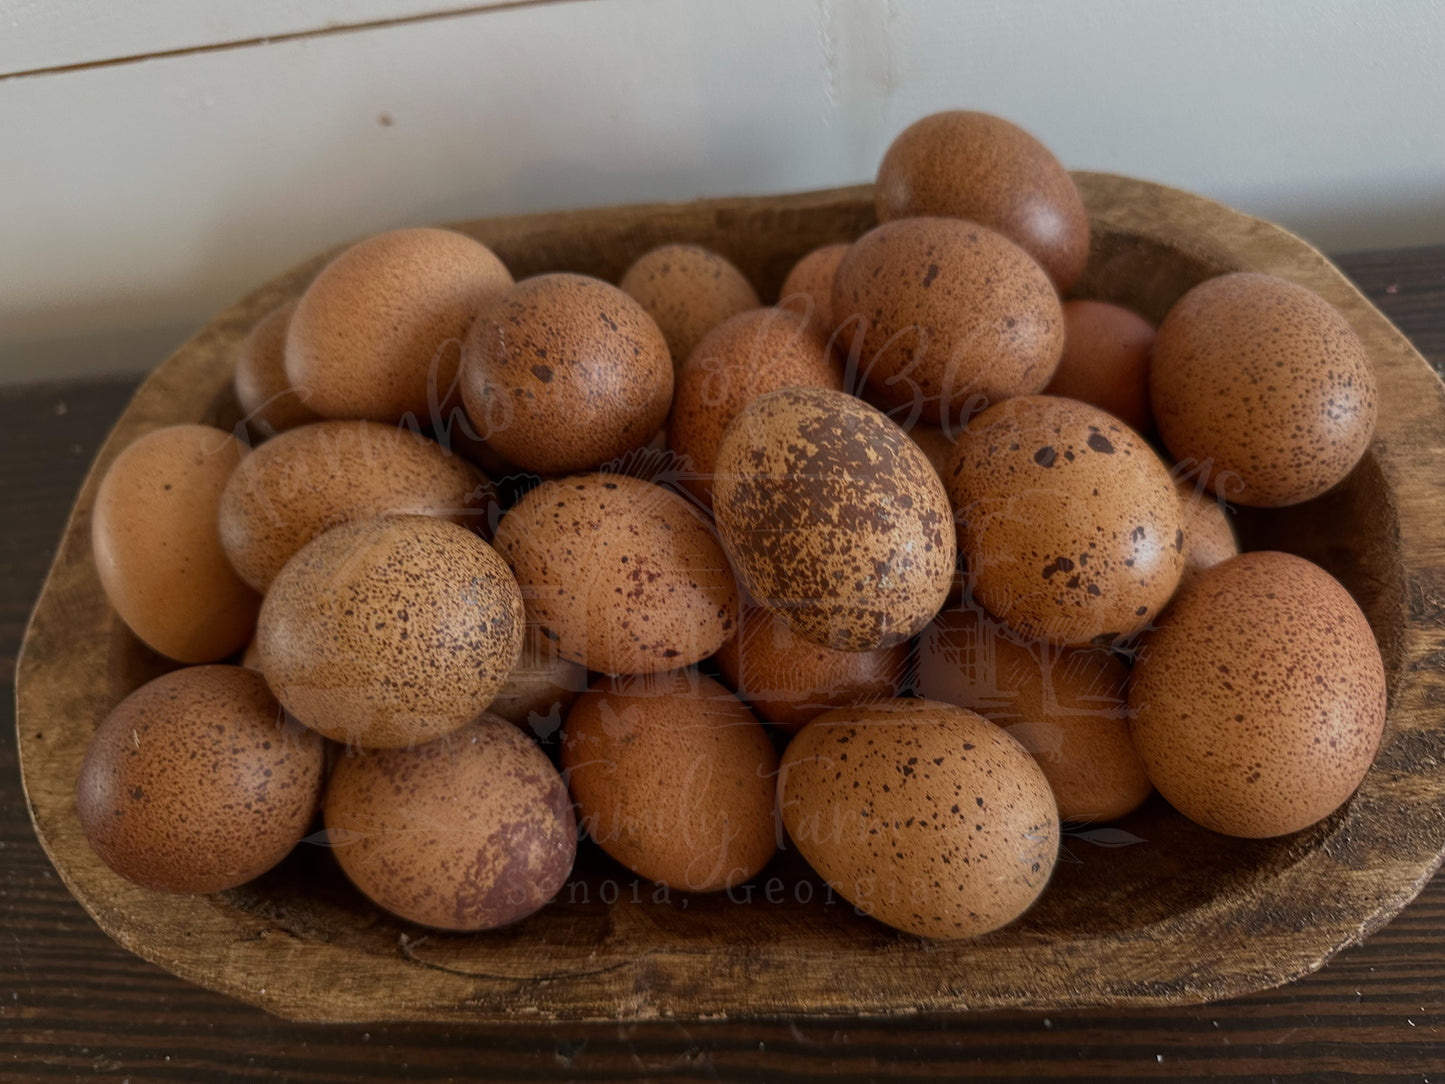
1106 361
564 373
687 290
197 781
788 680
1064 705
938 444
752 353
808 289
270 403
1208 533
1259 701
924 815
953 316
376 333
674 778
311 479
1068 521
1263 388
540 688
468 832
390 631
158 552
833 518
625 576
982 168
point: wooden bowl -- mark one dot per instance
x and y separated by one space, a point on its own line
1180 915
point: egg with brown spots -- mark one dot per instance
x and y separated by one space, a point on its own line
468 832
1106 361
952 316
1208 530
834 519
1261 386
1068 521
688 290
673 778
311 479
266 397
972 165
377 333
197 781
157 549
540 688
625 576
752 353
1259 701
808 289
564 373
390 631
923 815
1065 705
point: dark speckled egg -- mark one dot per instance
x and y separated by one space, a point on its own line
468 832
834 519
198 782
1258 702
1261 387
1068 521
924 815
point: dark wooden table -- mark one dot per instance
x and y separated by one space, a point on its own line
73 1004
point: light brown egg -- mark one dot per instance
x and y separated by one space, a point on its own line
673 778
468 832
752 353
788 680
270 403
1263 388
376 334
564 373
808 289
687 290
1068 521
1106 361
980 167
390 631
1259 701
953 316
311 479
1065 705
924 815
197 781
625 575
834 519
1208 533
158 552
540 688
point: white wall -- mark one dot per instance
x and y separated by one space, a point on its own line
159 158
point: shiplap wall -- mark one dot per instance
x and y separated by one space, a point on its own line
159 158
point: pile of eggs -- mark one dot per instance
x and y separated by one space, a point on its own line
902 572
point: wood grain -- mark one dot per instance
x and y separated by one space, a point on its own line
75 1005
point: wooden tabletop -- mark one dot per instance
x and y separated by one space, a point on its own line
75 1005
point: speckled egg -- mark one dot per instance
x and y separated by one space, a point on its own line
390 631
468 832
980 167
834 519
540 688
311 479
924 815
1262 387
1065 705
1106 361
564 373
953 316
157 549
1208 531
1068 521
687 290
752 353
266 397
197 781
673 778
788 680
1259 701
808 289
625 576
376 334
